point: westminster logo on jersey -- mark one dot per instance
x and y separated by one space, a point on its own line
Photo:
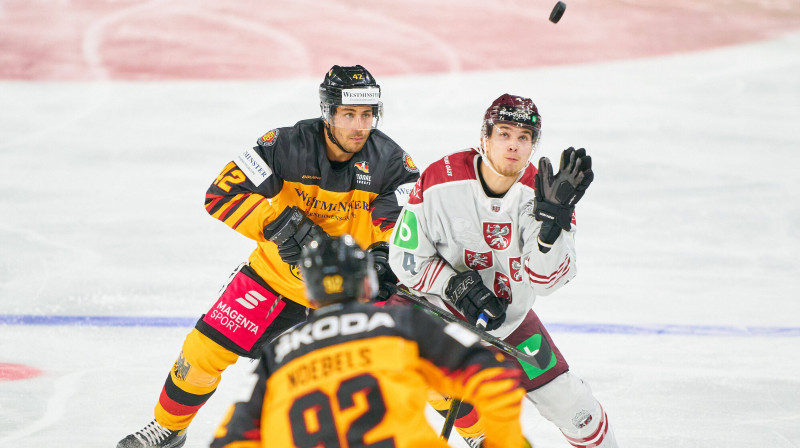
497 235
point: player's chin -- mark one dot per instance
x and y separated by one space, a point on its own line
510 169
357 145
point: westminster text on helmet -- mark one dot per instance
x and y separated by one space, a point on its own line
368 95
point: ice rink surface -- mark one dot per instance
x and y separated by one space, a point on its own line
115 116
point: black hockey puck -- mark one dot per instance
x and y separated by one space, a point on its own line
557 12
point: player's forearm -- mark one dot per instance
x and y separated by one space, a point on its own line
246 213
427 275
546 272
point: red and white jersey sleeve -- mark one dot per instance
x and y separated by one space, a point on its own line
450 225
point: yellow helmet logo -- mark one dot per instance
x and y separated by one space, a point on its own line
295 270
332 284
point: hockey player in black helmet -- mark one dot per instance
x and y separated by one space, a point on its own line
337 270
346 350
322 177
350 101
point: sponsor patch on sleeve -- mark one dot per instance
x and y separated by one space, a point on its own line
268 139
403 192
409 164
254 167
461 334
406 236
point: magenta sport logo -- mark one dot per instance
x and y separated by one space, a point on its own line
251 299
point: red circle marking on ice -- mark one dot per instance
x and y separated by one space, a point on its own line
13 372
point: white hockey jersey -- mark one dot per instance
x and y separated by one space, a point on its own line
450 225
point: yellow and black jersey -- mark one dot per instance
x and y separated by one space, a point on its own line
357 375
289 166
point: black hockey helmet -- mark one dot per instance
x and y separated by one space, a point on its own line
349 85
334 270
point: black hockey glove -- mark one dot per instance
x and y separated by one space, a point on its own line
387 281
557 195
468 293
291 231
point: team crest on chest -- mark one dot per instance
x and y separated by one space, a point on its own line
364 178
497 235
515 268
362 166
477 260
502 286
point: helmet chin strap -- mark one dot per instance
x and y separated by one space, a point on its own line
333 139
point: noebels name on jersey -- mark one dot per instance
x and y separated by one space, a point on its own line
328 327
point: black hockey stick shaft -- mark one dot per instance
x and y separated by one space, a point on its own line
455 404
501 345
450 420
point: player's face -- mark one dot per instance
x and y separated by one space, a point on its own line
351 126
509 148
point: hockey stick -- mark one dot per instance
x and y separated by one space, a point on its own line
539 359
450 420
455 403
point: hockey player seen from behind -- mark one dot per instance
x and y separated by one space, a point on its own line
357 375
485 232
322 177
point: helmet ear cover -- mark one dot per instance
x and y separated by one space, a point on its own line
334 270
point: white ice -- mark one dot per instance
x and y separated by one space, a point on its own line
688 238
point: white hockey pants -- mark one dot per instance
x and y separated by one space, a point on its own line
567 401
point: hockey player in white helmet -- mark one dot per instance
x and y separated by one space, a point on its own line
484 231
